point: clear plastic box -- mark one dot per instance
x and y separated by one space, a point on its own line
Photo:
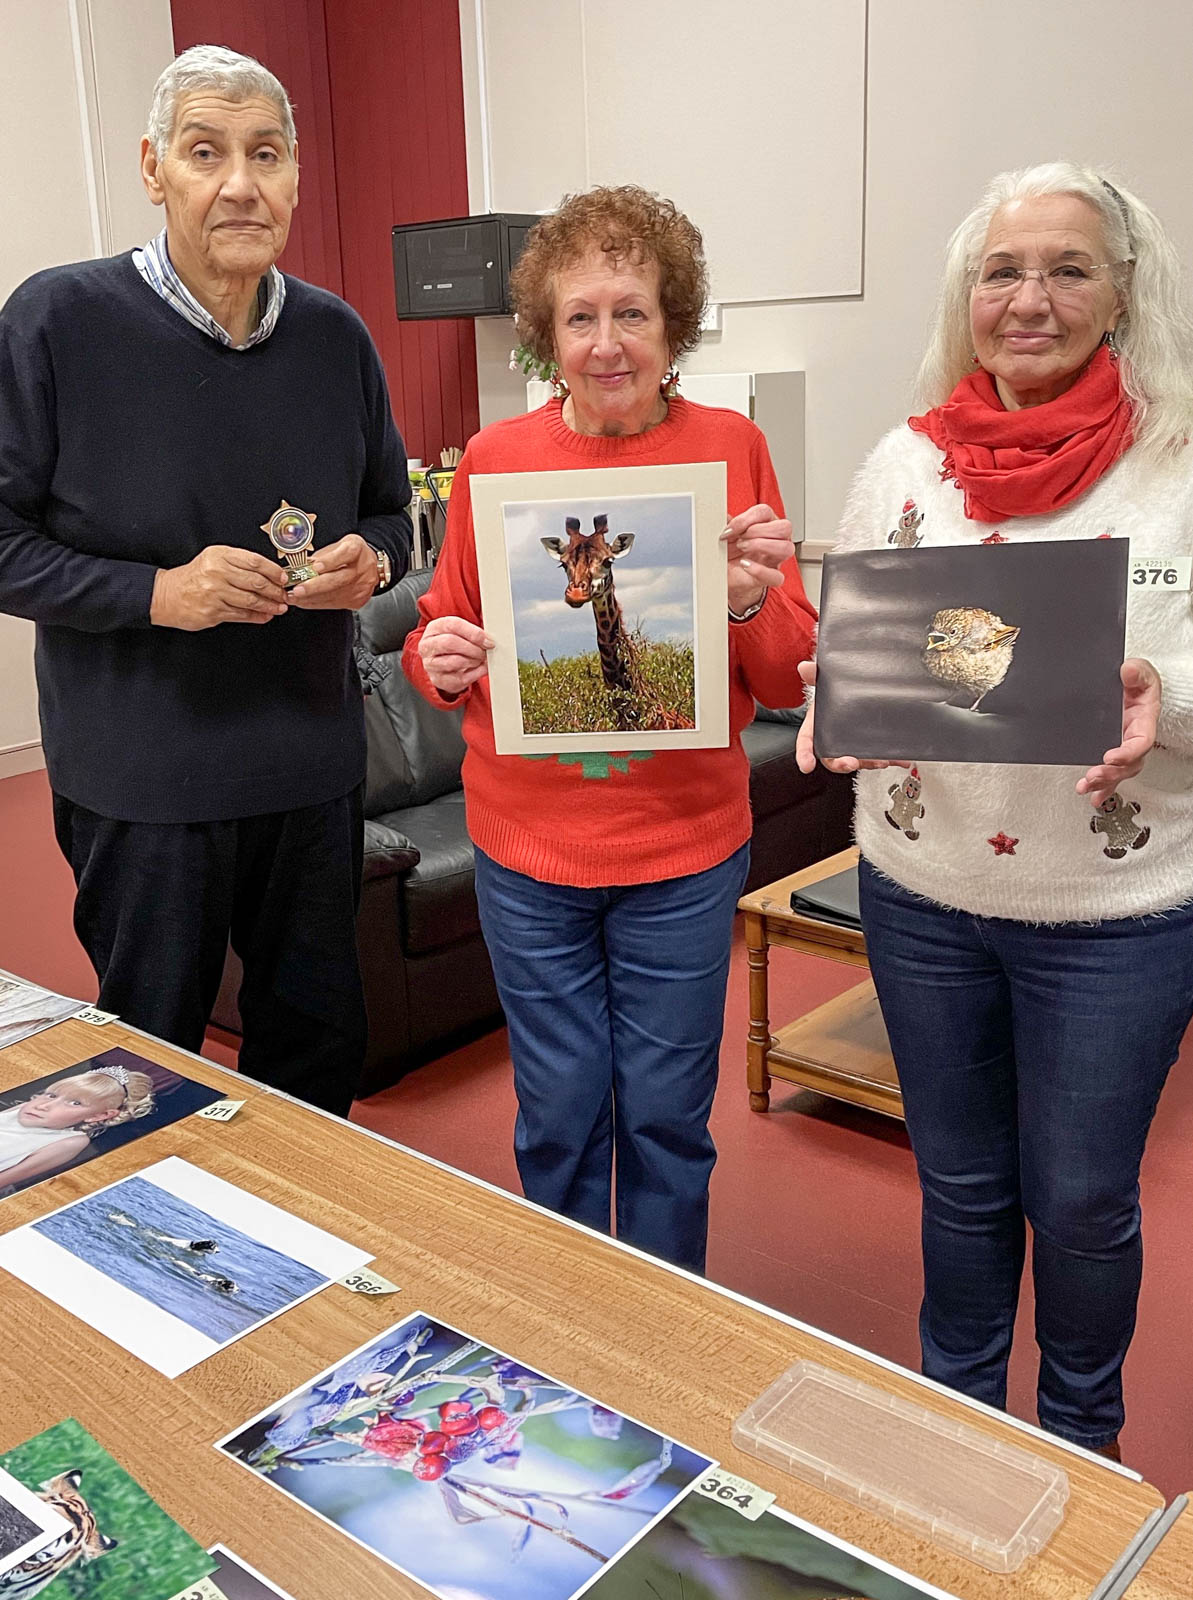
990 1502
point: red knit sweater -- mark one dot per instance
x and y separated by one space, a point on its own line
601 818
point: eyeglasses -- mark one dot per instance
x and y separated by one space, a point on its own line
1066 281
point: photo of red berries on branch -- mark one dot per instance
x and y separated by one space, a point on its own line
478 1477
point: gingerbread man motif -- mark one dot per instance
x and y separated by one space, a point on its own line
1116 819
907 535
905 810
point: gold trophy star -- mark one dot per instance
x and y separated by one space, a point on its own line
292 533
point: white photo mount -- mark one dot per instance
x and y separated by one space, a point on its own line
129 1317
47 1523
703 484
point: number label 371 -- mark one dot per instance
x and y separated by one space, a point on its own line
1171 573
740 1493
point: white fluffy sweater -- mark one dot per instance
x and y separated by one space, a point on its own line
1017 841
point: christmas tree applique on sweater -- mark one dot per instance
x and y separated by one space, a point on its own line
598 763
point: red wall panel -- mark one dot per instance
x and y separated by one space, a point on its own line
398 97
290 38
379 102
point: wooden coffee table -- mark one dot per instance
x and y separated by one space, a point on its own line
841 1048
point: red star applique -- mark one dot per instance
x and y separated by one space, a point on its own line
1002 845
995 538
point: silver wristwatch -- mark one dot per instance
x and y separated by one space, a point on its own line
385 569
750 611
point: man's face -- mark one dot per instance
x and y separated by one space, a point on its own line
228 183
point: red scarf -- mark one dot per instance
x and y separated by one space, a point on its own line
1030 462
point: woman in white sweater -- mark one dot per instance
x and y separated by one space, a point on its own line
1030 928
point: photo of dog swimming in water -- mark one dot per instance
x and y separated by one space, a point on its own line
174 1263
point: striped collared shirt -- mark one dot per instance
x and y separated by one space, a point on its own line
154 264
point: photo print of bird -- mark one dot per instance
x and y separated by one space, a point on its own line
970 649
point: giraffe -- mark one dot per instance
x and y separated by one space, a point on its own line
588 559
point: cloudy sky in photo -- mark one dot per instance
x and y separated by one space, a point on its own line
652 580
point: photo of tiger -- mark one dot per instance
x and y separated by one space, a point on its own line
118 1544
83 1542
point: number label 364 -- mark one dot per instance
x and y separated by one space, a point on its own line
743 1496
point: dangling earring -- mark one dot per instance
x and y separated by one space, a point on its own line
1111 343
669 387
559 387
973 360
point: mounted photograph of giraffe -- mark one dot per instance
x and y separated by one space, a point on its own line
599 649
603 615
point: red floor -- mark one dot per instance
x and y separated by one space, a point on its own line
814 1206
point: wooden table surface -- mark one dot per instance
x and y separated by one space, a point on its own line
668 1349
1168 1573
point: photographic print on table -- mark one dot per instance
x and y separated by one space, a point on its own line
174 1263
119 1543
69 1117
27 1523
981 653
25 1009
705 1550
605 591
236 1580
462 1468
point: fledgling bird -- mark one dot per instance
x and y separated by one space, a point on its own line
969 648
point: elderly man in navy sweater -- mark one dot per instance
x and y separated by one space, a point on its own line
203 725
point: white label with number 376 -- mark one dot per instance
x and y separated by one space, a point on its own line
1165 574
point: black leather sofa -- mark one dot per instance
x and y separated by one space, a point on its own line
427 977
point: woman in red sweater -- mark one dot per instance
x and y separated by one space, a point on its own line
607 884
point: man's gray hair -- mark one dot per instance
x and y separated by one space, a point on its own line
211 66
1154 335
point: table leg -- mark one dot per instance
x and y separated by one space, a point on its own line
759 1037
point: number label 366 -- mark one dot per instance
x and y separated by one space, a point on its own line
743 1496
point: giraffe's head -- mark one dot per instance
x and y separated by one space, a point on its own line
587 559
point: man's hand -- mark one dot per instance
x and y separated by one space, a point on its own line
805 755
348 577
759 543
222 584
1141 711
454 653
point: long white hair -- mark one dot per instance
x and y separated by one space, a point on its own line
1154 335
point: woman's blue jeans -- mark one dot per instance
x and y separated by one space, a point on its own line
615 1000
1031 1059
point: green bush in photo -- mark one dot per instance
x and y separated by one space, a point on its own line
155 1558
569 695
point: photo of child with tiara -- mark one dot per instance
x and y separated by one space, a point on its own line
72 1116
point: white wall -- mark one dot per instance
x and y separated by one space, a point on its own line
957 90
75 78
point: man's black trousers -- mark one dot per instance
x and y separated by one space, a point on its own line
157 904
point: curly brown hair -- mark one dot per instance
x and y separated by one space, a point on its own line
625 223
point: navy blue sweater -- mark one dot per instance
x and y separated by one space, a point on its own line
130 441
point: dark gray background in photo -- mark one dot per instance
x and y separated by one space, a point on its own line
237 1584
1061 701
16 1529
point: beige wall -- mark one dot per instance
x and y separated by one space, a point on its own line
958 90
75 77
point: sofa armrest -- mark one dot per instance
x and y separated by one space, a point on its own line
793 716
387 852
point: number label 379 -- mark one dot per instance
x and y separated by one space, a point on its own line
743 1496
